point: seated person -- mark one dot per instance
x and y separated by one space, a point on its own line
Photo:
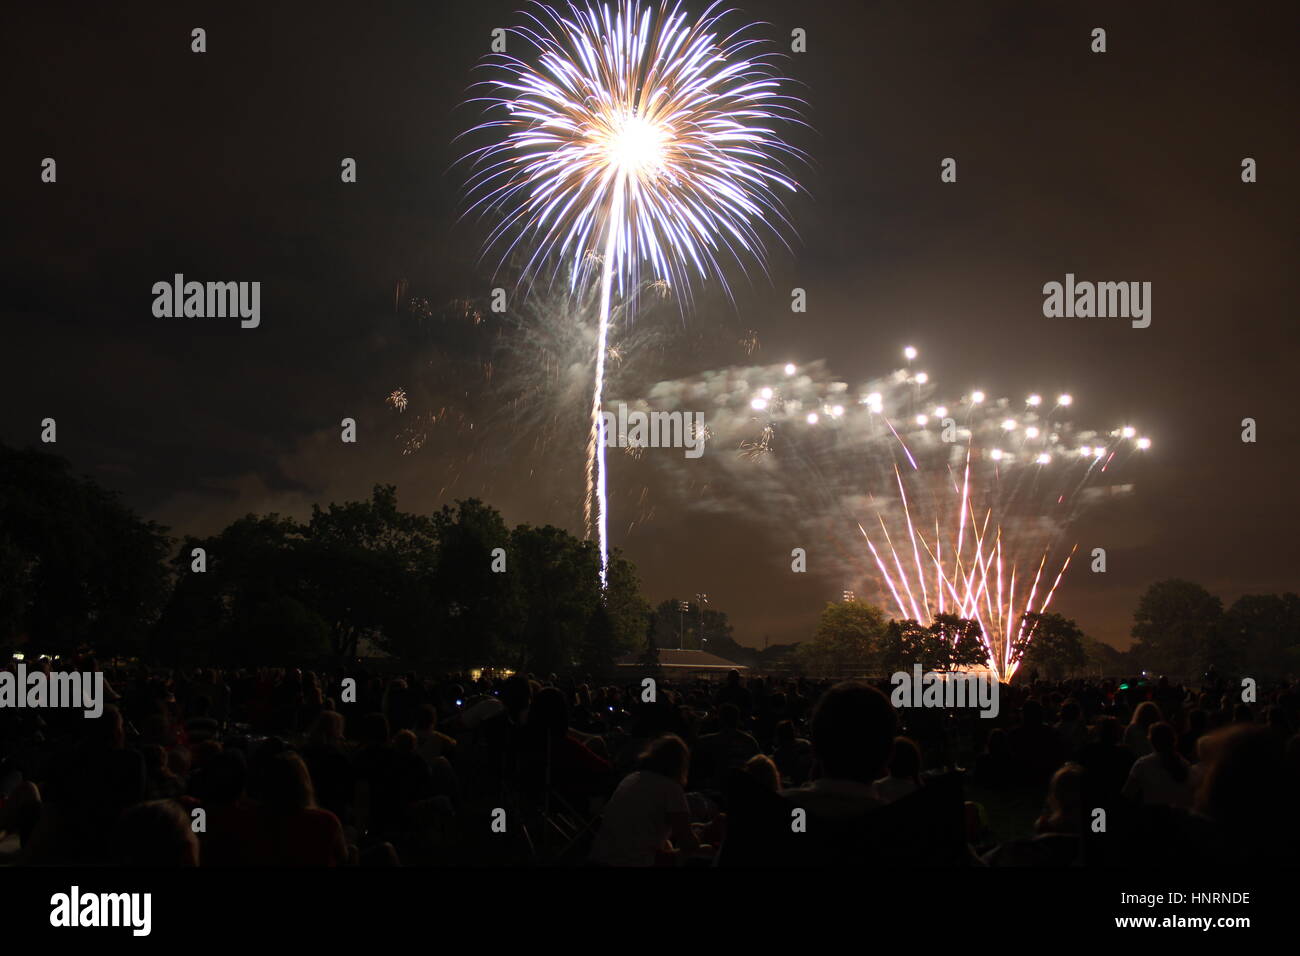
647 819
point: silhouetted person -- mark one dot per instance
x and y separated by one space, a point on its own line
904 775
1161 777
648 816
728 749
1107 763
852 738
1035 747
292 830
792 753
155 834
1136 737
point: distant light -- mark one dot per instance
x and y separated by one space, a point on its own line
789 368
874 402
1144 443
1064 400
909 353
1099 452
1044 459
758 404
1008 424
1031 432
922 378
977 396
812 418
1128 431
1086 451
921 419
941 411
766 393
996 454
1034 400
837 411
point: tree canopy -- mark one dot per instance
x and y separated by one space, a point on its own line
77 568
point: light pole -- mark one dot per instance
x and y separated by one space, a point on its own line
703 599
682 608
849 597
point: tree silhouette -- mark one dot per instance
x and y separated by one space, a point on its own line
1051 644
1175 624
77 568
847 643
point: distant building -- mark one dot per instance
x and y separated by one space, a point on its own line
683 663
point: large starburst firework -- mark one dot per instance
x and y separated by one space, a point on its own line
635 129
632 138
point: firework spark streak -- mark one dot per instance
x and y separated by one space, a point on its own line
971 586
639 139
962 504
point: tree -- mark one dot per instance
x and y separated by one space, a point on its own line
1260 635
15 583
282 630
599 649
1100 658
1051 644
1174 626
428 590
955 642
847 642
626 609
478 617
677 628
278 592
227 612
906 643
649 659
367 568
77 568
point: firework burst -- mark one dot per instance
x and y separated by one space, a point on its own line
957 505
634 139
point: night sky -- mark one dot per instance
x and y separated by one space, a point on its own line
224 166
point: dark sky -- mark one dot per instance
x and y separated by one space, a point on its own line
225 166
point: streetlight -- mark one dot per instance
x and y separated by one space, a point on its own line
703 599
682 607
849 596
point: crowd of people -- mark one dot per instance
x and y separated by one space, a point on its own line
283 767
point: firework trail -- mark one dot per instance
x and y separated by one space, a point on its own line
962 504
635 138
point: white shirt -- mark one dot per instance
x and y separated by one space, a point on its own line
634 823
1150 781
